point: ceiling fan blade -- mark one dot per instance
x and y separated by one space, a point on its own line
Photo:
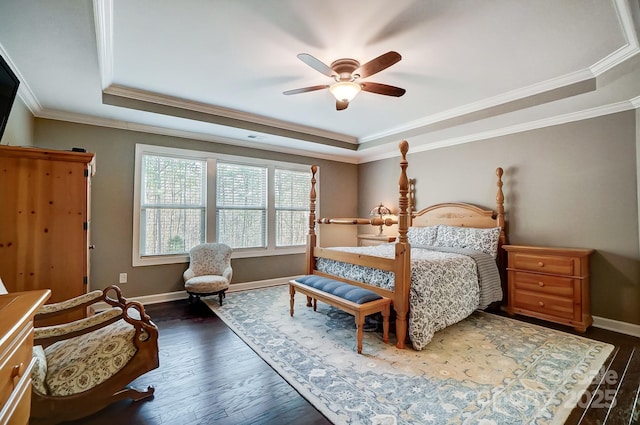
341 104
316 64
306 89
382 89
378 64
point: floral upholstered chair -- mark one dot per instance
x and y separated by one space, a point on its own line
85 365
209 271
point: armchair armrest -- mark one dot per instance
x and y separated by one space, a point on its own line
228 273
47 335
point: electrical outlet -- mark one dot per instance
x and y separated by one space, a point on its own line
123 278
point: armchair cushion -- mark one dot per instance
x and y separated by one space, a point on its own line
82 362
206 284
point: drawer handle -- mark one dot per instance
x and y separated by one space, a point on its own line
17 371
541 284
540 263
540 303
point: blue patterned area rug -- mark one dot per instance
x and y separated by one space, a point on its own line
484 370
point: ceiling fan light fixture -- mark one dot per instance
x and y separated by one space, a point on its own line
345 91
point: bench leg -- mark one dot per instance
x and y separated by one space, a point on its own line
385 323
292 294
359 331
308 301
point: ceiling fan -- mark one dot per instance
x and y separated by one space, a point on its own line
347 74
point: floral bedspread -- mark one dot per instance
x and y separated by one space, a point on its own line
444 286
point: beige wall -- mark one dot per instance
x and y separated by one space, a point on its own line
572 185
19 130
112 204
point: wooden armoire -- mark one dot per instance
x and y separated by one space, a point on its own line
44 220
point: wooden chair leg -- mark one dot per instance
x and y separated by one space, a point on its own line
359 331
385 324
292 294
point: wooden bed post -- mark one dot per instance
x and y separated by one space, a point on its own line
311 237
500 199
502 255
403 249
412 199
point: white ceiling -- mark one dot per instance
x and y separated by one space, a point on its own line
216 70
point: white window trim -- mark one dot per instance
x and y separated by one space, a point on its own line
210 231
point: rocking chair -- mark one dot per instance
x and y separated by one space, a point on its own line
83 366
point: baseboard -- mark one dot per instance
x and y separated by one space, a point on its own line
598 322
182 295
617 326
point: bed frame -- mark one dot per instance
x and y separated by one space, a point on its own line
453 214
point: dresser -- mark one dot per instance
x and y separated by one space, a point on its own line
16 345
44 221
370 240
550 284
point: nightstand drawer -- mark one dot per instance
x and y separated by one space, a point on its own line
546 304
539 283
543 263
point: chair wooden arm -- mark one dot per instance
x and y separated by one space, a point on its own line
145 328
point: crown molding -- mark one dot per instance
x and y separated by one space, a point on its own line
103 16
491 102
513 129
233 117
625 19
163 131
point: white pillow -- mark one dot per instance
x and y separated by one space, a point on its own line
422 235
3 290
484 240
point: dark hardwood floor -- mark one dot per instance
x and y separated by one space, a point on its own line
207 375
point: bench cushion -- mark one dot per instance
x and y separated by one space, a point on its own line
340 289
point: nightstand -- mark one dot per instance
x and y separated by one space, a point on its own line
371 240
550 284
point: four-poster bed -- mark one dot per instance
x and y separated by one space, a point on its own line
458 221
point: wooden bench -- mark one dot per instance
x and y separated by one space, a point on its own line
352 299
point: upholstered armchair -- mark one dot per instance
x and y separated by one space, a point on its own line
209 271
83 366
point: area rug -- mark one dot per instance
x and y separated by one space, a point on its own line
484 370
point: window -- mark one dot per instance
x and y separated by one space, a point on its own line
172 210
183 198
241 205
292 206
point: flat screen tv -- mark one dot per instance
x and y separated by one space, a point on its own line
8 88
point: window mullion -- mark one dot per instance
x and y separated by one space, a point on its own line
211 197
271 208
